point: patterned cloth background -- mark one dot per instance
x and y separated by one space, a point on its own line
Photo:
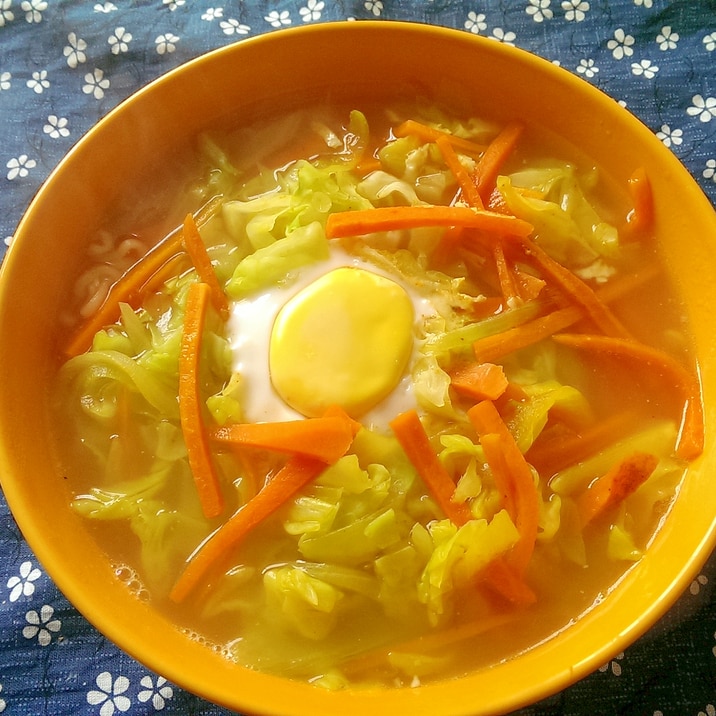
66 63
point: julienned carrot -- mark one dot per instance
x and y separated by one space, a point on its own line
502 578
499 345
641 218
426 643
690 442
464 180
132 286
336 411
190 410
504 275
324 438
577 291
128 289
196 249
367 165
529 287
479 381
444 252
553 452
513 476
171 268
295 474
415 442
614 486
494 347
492 161
429 134
390 218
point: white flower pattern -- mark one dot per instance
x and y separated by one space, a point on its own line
56 127
234 27
33 10
74 51
587 68
109 695
667 39
213 13
540 10
119 40
157 691
703 108
278 18
95 83
166 43
41 626
38 83
670 137
621 44
475 22
710 170
374 7
644 68
506 36
22 584
312 10
575 10
6 13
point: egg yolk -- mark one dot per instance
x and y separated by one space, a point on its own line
343 340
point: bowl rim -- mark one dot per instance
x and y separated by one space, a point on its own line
382 700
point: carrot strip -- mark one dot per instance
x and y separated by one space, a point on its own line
499 345
169 269
325 438
128 289
513 476
529 287
390 218
464 181
444 252
504 275
503 579
336 411
425 643
132 286
430 134
416 444
494 347
578 291
294 475
195 436
551 453
200 258
641 218
496 154
690 442
616 485
479 380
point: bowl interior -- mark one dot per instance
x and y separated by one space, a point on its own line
266 73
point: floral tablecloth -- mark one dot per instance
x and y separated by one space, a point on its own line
66 63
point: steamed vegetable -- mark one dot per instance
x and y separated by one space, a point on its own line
327 546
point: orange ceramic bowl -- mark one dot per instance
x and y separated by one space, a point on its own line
483 76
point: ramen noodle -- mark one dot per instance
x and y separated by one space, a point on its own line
382 396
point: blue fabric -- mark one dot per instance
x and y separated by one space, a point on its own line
64 64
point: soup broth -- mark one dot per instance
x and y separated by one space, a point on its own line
412 403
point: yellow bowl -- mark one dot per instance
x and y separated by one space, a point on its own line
346 61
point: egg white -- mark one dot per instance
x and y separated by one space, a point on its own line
249 330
